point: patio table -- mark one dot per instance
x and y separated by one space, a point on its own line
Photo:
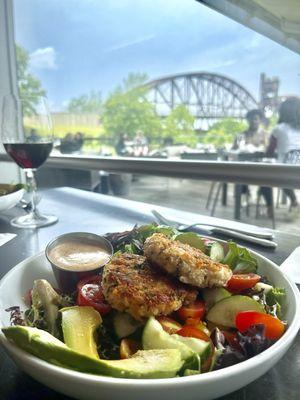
85 211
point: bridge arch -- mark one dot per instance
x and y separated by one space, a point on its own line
208 96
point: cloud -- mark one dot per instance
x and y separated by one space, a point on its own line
124 45
220 63
43 58
257 40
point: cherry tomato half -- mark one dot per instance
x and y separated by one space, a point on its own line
274 328
194 310
169 325
89 293
191 331
240 282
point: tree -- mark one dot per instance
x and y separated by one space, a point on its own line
179 125
127 110
224 132
29 86
90 103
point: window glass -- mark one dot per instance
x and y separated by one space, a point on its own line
156 78
87 55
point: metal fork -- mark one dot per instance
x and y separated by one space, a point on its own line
234 233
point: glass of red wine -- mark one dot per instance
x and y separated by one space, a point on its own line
27 136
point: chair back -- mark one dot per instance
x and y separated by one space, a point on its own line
292 157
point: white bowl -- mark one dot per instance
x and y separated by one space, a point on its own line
91 387
8 201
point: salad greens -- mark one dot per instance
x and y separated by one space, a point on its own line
239 259
7 188
45 306
132 241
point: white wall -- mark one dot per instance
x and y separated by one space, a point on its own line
9 172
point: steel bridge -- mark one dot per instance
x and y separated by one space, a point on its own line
209 97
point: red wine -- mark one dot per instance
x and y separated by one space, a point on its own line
29 155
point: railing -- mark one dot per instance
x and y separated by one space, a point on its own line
278 175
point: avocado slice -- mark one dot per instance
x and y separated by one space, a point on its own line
79 325
224 312
212 295
189 372
154 337
143 364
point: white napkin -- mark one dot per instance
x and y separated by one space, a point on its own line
291 266
6 237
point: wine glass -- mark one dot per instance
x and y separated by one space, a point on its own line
27 136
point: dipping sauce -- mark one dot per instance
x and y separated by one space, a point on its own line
78 255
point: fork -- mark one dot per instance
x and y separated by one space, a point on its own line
256 238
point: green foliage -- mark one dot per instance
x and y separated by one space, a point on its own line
224 132
90 103
180 126
29 86
127 110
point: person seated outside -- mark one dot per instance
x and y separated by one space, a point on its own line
122 147
33 136
141 147
71 143
254 138
284 138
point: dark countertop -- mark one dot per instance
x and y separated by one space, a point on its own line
85 211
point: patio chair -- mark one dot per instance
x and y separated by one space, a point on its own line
292 157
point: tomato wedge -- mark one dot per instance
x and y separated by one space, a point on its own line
169 325
89 293
194 310
274 328
128 348
241 282
191 331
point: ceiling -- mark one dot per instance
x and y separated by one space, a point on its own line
277 19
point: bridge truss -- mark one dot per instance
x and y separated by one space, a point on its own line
209 97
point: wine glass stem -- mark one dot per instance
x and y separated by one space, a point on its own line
30 177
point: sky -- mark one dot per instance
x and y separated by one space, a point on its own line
76 46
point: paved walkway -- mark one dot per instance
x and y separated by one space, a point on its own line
191 195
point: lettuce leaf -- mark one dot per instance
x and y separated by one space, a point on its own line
239 259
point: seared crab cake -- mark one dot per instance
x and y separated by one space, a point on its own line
188 264
131 285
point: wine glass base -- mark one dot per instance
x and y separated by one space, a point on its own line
33 221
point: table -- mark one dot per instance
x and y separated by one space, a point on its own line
85 211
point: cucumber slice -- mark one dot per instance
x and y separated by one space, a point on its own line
154 337
224 312
124 324
191 239
201 347
212 296
217 253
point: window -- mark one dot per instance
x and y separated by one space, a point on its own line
160 78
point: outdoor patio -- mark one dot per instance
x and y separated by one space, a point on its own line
191 195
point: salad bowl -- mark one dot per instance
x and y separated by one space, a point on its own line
91 387
12 197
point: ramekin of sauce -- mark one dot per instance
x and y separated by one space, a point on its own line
76 255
